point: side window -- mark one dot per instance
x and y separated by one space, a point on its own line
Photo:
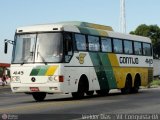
106 44
117 46
80 42
68 49
128 47
93 43
137 48
147 49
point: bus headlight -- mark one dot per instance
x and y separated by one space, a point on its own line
56 78
50 79
59 78
15 79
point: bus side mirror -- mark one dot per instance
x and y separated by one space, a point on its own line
6 41
5 47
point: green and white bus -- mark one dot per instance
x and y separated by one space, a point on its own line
78 58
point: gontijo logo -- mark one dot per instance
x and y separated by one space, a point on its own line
81 58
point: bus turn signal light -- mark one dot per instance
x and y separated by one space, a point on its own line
61 78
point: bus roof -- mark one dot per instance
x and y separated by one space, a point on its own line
81 27
128 37
60 25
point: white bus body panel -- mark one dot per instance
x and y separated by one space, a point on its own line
156 67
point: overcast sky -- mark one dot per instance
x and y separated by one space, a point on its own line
16 13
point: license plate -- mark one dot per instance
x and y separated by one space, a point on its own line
34 89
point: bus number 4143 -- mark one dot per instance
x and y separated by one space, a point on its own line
149 61
18 72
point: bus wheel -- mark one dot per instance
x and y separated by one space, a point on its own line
102 92
39 96
89 93
82 86
135 89
128 86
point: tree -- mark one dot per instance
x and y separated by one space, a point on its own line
153 32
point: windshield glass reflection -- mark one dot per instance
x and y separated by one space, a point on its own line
24 48
43 47
49 47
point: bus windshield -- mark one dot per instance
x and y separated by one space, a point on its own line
40 48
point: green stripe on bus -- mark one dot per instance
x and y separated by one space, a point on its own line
35 71
100 72
104 70
43 70
108 70
89 31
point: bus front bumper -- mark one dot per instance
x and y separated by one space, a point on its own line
29 88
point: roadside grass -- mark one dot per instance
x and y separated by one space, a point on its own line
155 83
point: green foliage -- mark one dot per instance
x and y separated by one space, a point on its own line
155 83
1 72
153 32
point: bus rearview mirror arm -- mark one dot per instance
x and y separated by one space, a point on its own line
6 41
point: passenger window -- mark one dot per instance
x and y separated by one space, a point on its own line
117 46
93 43
106 44
128 48
80 42
137 48
68 46
147 49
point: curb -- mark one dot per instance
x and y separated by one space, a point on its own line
4 87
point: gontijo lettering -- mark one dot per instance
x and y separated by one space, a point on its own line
128 60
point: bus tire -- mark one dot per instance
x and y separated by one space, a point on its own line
137 84
102 92
89 93
39 96
78 95
128 85
82 88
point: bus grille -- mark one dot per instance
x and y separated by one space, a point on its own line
150 75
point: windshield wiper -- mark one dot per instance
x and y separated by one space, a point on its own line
38 53
22 63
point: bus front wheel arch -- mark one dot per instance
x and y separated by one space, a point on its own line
83 87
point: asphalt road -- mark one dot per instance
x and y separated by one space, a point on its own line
57 107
